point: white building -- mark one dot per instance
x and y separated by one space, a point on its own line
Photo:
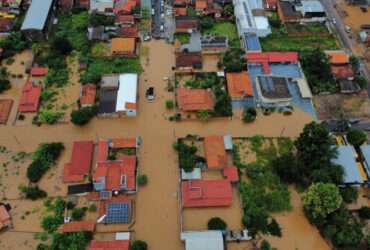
203 240
248 20
101 5
127 95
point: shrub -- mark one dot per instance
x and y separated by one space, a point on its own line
265 245
169 104
364 212
207 22
249 115
356 137
234 60
83 115
187 156
274 228
216 223
50 117
4 85
142 180
51 223
78 213
204 115
349 194
92 208
33 193
62 45
36 170
139 245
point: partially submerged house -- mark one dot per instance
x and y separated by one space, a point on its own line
115 211
5 219
101 6
88 95
81 159
214 44
189 61
97 33
203 240
273 91
187 24
123 47
240 89
206 193
301 11
353 172
215 148
109 245
38 20
39 71
190 100
30 97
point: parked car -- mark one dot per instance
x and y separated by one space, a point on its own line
347 29
147 38
150 94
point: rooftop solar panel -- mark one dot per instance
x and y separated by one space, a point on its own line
118 213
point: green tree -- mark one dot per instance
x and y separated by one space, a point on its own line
51 223
139 245
216 223
206 22
274 228
204 115
83 115
249 115
256 220
33 193
142 180
4 85
356 137
78 213
169 104
364 212
286 168
320 200
62 45
234 60
349 194
228 10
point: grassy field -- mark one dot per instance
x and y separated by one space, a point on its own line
226 28
282 42
183 37
308 27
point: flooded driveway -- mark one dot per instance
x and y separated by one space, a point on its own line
157 210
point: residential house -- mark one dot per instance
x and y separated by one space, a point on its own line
189 61
101 6
365 159
186 24
39 71
180 7
79 166
240 89
12 6
5 108
97 33
124 20
124 7
191 100
88 95
6 26
38 20
66 5
78 226
273 91
301 11
271 4
129 32
109 245
112 177
108 95
201 240
215 152
250 18
82 4
353 175
214 44
231 174
127 95
206 193
115 210
30 97
123 47
5 219
251 42
103 150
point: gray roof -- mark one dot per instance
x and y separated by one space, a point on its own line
312 6
109 82
365 150
346 159
37 14
107 101
252 42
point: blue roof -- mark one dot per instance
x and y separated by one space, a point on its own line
37 15
346 159
252 42
118 213
365 150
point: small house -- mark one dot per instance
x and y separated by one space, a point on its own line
190 100
5 219
189 61
88 95
186 24
123 47
109 245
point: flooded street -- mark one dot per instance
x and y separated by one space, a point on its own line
157 208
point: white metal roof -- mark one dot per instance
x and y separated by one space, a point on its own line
261 22
101 5
127 91
37 15
196 174
304 89
123 236
203 240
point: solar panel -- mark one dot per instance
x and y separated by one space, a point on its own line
104 194
118 213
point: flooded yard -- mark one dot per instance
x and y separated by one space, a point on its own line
157 210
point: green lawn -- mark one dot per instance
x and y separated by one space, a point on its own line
183 37
307 27
282 42
225 29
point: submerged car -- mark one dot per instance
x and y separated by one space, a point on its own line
150 94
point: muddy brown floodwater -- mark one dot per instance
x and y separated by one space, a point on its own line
157 211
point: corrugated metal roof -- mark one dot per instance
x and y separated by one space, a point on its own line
203 240
365 149
37 14
346 159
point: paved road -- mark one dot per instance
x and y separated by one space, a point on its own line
345 40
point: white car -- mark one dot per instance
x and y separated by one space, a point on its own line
334 21
162 28
153 12
147 38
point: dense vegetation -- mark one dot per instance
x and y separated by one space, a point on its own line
83 115
187 156
44 157
4 81
32 192
216 223
234 60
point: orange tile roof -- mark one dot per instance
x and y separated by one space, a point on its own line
194 99
77 226
130 105
201 4
88 94
123 45
342 71
180 11
109 245
214 149
124 143
5 219
338 57
239 84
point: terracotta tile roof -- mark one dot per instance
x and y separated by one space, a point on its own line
80 163
206 193
84 4
189 60
200 4
180 11
39 71
109 245
125 19
29 101
271 4
102 154
113 171
239 84
5 108
215 153
265 58
194 99
124 6
342 71
130 105
338 57
231 174
123 45
129 32
180 3
6 24
88 94
5 219
184 23
77 226
123 143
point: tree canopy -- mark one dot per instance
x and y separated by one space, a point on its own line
356 137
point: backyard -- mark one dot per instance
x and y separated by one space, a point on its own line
225 28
